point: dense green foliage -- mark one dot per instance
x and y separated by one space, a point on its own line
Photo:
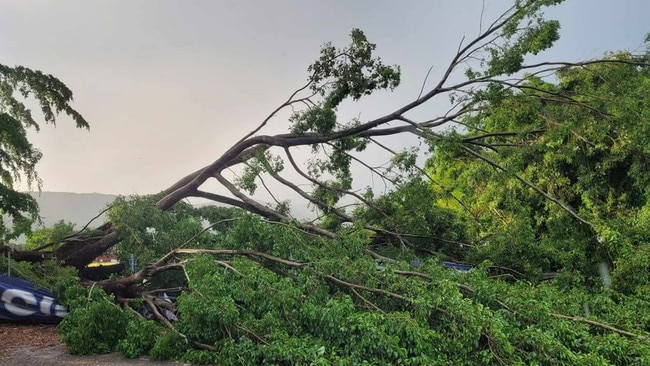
96 324
582 140
257 311
411 211
49 237
148 233
546 174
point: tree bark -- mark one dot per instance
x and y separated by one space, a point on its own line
77 252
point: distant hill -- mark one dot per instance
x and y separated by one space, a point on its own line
77 208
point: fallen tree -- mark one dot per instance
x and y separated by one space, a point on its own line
258 285
351 73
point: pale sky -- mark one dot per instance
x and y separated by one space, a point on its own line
168 86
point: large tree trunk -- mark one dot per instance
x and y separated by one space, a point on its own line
77 251
32 256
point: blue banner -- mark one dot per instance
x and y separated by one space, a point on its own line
22 301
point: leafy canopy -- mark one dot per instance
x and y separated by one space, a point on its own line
49 237
18 157
581 139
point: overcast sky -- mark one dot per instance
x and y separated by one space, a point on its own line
169 85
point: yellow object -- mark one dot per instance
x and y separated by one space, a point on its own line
99 264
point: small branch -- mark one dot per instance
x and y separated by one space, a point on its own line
158 315
268 212
564 65
169 325
428 135
293 227
320 204
598 324
150 271
497 166
132 311
430 178
228 266
268 118
170 289
68 237
369 289
424 83
248 331
500 134
571 318
381 257
341 191
208 228
374 170
368 302
226 200
250 202
247 253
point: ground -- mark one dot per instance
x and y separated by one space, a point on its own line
41 345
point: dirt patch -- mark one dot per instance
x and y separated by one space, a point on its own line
25 344
18 335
